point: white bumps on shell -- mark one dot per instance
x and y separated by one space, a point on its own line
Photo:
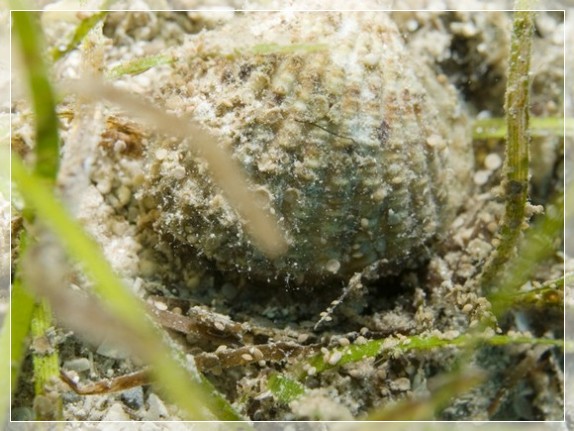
361 152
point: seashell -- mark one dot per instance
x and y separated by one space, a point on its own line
361 152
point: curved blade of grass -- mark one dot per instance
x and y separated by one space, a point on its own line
46 150
82 30
24 303
13 340
47 145
178 384
373 348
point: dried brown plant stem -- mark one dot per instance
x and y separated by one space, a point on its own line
120 383
517 152
215 362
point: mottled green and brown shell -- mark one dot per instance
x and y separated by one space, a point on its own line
360 151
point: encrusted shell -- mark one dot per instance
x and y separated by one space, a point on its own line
361 152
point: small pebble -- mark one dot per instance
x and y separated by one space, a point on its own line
435 141
133 398
412 25
344 342
301 338
381 374
247 357
335 358
78 365
364 223
116 413
110 350
162 306
124 195
156 410
492 162
161 154
257 354
333 266
402 384
481 177
120 146
179 172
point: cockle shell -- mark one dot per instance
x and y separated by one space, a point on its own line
360 151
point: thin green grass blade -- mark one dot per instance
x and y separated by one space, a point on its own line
43 101
24 303
177 383
48 404
139 65
81 31
373 348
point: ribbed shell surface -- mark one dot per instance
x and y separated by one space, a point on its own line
361 152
